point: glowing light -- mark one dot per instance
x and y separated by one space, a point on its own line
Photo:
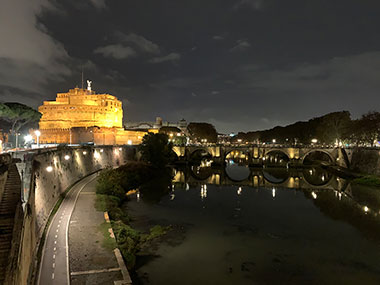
340 196
28 138
203 191
138 196
120 149
366 209
101 150
67 157
274 140
314 140
273 192
314 195
96 154
129 142
85 152
49 168
37 133
239 191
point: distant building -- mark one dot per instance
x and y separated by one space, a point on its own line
158 124
82 116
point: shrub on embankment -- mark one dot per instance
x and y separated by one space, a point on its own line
112 188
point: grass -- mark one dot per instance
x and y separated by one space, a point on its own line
108 242
368 180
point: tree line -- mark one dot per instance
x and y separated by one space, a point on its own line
336 127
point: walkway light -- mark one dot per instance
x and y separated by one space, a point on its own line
28 138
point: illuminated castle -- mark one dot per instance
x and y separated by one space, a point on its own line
82 116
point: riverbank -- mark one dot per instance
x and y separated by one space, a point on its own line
113 188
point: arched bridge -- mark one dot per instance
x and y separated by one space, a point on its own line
257 155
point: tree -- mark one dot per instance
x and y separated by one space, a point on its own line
333 127
202 131
18 115
368 127
156 150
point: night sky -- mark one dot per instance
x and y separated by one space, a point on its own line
238 64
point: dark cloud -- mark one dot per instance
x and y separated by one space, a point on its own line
116 51
170 57
242 64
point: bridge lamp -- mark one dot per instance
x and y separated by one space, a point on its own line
314 140
38 134
274 140
274 192
314 195
67 157
49 168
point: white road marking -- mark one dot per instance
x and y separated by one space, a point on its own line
53 256
95 271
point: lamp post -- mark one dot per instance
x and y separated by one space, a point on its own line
38 133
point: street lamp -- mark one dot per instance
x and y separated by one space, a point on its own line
38 133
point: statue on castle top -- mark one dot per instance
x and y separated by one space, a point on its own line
89 82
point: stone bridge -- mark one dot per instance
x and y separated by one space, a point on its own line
261 178
256 155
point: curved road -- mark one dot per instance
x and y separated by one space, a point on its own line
54 268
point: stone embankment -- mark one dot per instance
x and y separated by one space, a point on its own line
46 175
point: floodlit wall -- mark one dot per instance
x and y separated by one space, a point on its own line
53 171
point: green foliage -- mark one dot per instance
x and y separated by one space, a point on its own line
109 183
155 232
333 126
18 115
128 240
108 241
156 150
202 131
369 180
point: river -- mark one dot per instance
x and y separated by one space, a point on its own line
263 226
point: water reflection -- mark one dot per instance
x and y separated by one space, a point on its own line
275 225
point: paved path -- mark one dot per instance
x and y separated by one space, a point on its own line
92 257
55 257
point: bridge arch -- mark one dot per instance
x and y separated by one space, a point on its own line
317 177
240 154
277 176
201 151
237 173
329 155
275 157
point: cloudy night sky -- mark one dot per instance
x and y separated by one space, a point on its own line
238 64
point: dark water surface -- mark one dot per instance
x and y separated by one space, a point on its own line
258 230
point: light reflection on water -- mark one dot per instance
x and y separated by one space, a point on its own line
260 231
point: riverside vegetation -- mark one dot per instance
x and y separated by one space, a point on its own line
151 177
